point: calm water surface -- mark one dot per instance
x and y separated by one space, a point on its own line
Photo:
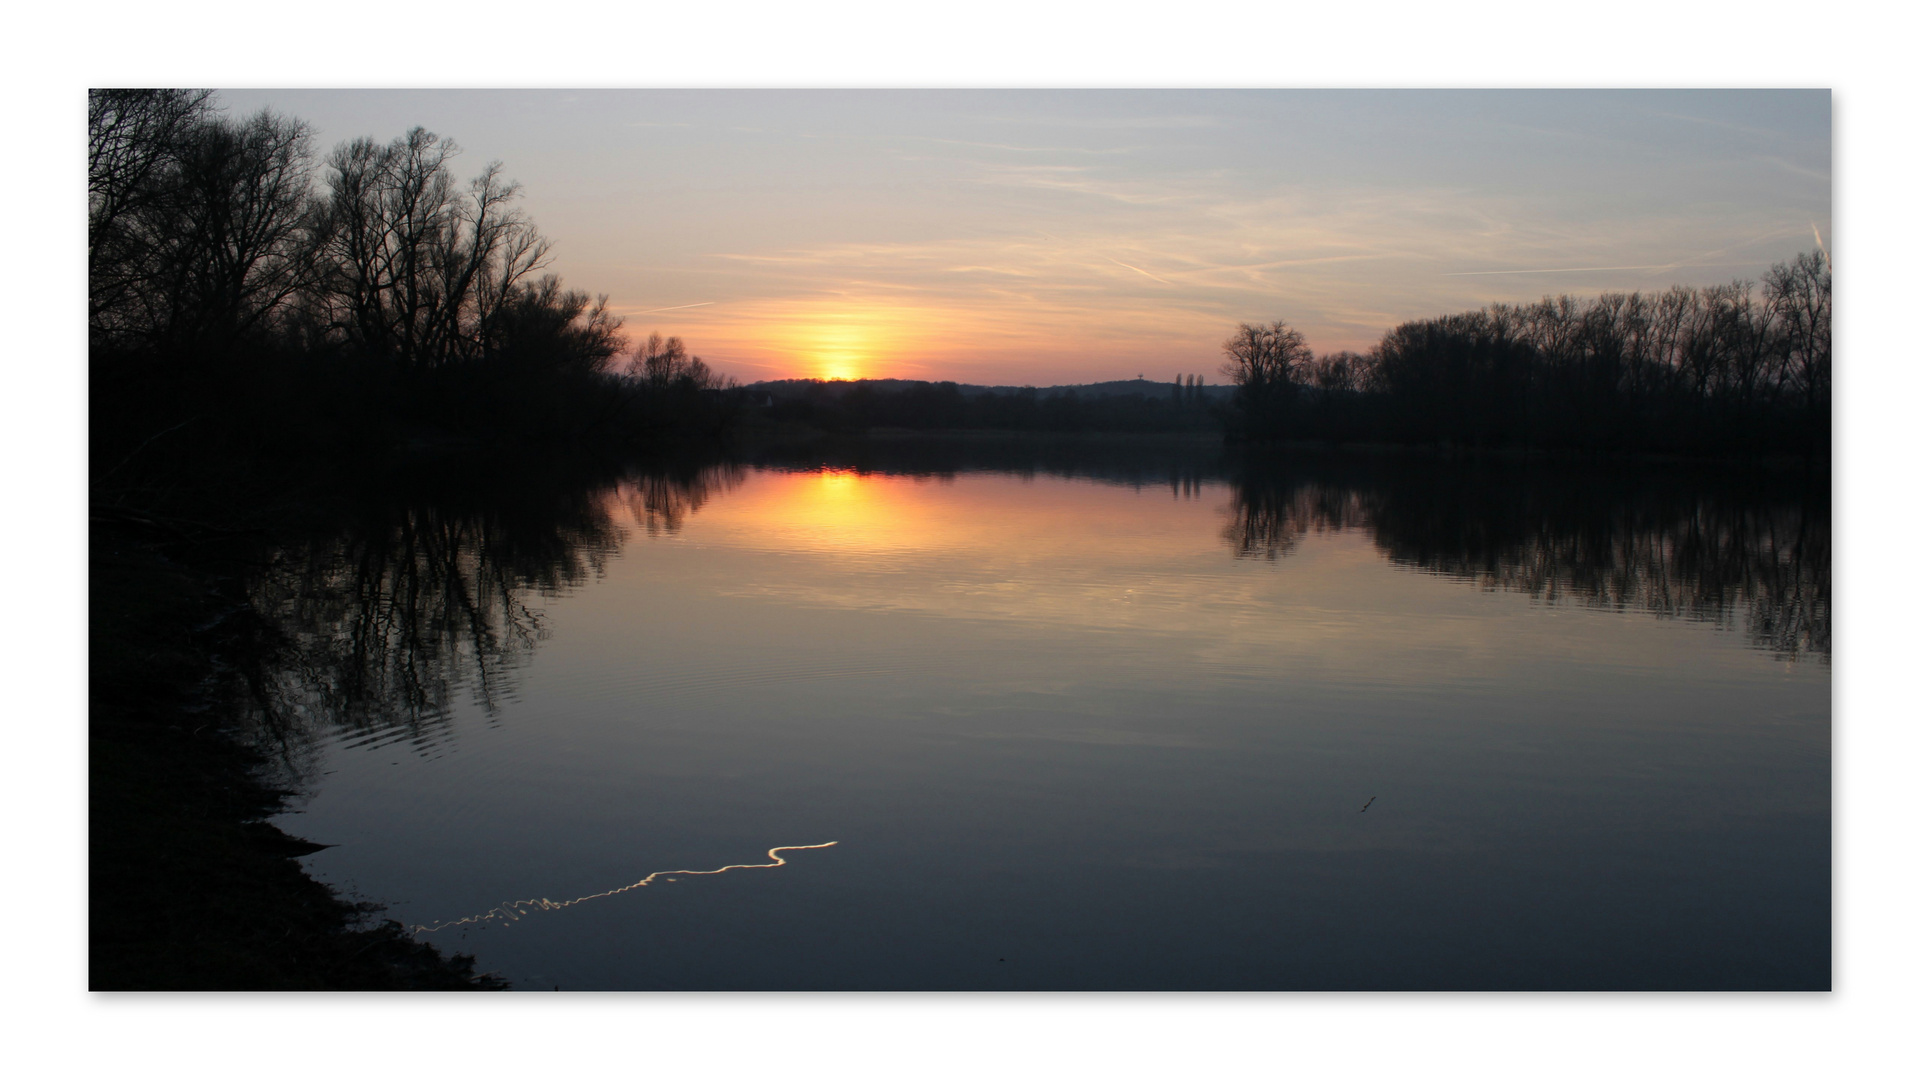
1133 725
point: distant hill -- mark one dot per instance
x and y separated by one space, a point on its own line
1123 405
1145 388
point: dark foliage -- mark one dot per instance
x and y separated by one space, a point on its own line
865 405
1713 370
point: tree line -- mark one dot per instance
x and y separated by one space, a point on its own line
236 282
1739 368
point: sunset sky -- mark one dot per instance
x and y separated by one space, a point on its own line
1044 237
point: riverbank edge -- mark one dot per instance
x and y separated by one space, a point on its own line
189 886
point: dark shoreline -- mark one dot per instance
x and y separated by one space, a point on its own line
751 439
190 888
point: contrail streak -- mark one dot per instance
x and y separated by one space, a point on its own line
1820 243
515 910
676 307
1562 270
1137 270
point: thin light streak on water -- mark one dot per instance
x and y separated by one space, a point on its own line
515 910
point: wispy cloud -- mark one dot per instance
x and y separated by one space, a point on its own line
1559 270
1112 123
1104 151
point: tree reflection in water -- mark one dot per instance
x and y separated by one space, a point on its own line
377 623
1754 556
378 619
661 501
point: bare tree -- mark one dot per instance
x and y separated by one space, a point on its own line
1801 292
240 225
1265 358
197 225
418 268
132 136
1263 362
133 141
662 363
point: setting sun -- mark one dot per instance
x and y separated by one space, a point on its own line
836 350
851 338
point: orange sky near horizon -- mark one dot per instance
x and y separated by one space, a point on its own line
1052 237
872 338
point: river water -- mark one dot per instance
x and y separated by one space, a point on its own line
983 716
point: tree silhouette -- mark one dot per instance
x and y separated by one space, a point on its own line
418 267
1716 369
198 227
1263 362
133 141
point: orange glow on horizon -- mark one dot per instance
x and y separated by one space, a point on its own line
972 341
846 339
838 342
838 350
